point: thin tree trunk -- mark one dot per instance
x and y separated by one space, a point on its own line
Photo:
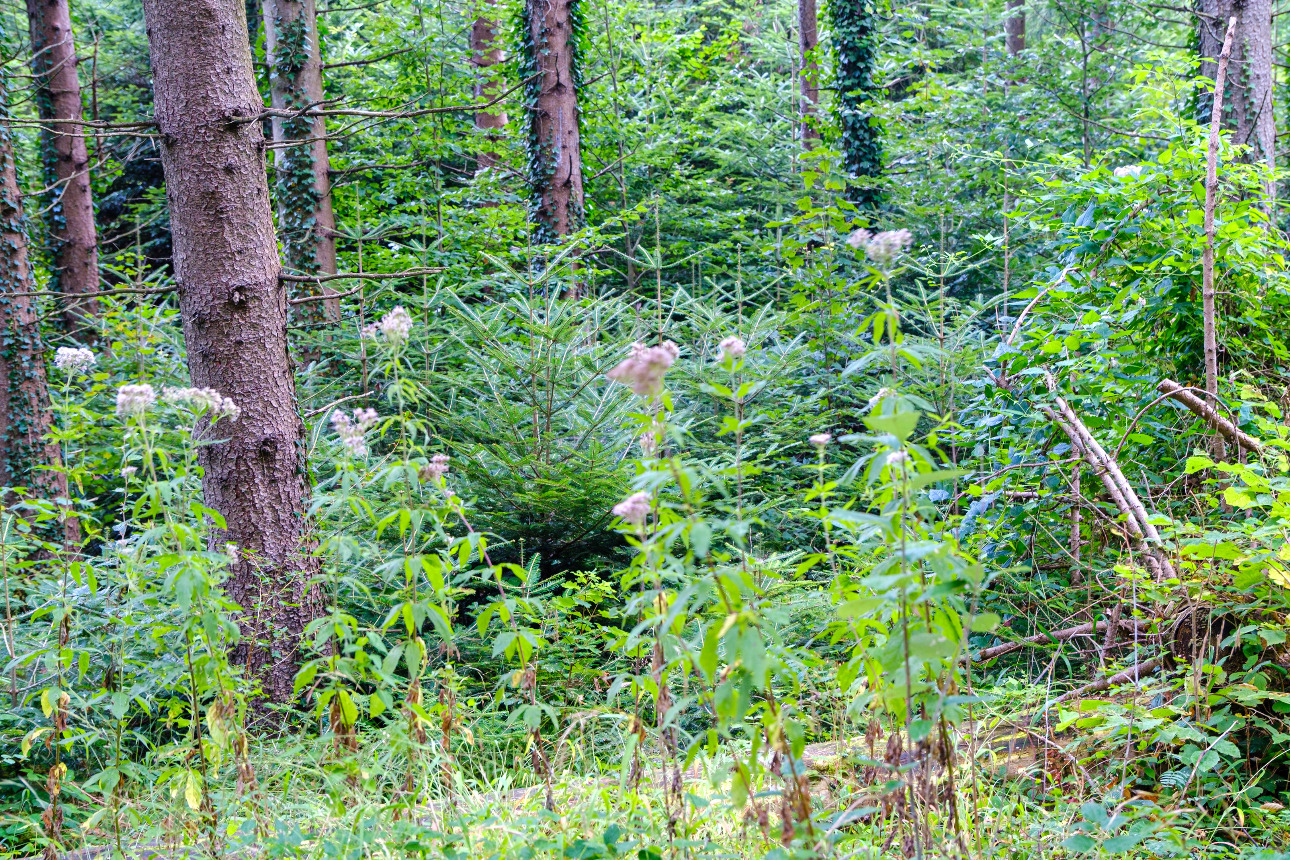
808 40
305 216
1249 89
1014 28
27 458
550 65
1209 310
234 314
485 54
73 241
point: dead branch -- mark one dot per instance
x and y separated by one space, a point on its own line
1233 434
1117 486
1211 202
1087 629
1133 673
360 276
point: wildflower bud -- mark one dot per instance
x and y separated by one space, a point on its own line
819 440
897 458
881 248
634 509
351 430
434 470
396 325
643 370
135 399
73 359
203 400
879 397
649 444
128 472
732 349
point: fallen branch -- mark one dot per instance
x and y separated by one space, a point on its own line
1086 629
1133 673
1230 431
1121 491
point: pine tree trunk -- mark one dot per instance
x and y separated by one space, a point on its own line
305 217
485 54
808 39
234 314
1249 92
856 41
550 65
73 241
25 414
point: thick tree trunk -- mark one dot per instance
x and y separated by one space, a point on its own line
1248 95
234 314
856 40
808 39
305 216
1014 28
73 242
485 54
25 415
555 157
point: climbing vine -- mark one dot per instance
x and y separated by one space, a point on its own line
297 192
532 43
21 350
856 37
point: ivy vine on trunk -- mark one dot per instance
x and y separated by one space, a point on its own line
855 35
550 32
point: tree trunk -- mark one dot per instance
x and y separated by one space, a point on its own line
234 314
485 54
305 216
808 39
1014 28
855 37
69 218
1248 94
550 65
25 415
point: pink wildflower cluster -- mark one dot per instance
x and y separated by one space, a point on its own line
643 370
634 509
351 430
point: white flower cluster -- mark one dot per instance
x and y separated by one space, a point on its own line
73 359
881 248
1128 171
643 370
351 430
819 440
431 472
203 400
135 399
634 509
732 349
394 327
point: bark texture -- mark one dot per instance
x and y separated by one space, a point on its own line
69 209
485 54
234 314
1248 97
1014 28
550 66
25 416
305 217
808 39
